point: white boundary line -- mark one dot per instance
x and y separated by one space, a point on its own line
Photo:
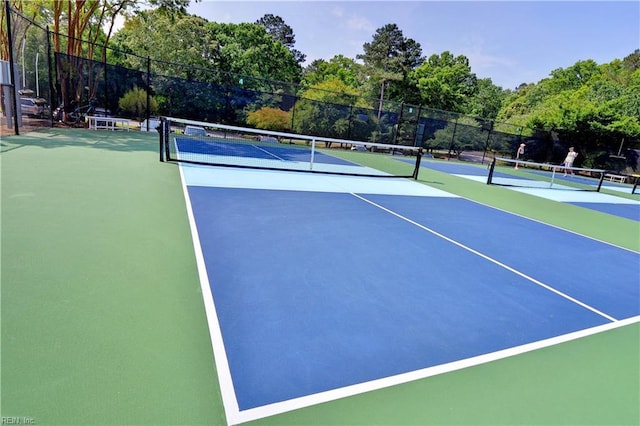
545 223
227 390
268 153
360 388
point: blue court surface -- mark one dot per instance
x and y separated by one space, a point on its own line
251 153
321 287
563 192
251 149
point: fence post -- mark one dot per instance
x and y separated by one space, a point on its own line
52 98
486 144
12 70
453 137
148 109
293 111
415 128
348 135
399 123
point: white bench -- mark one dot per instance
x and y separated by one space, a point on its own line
615 178
108 123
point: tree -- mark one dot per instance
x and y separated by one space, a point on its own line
269 118
134 102
32 10
573 77
78 29
193 48
388 59
339 67
325 110
463 134
487 100
632 61
182 45
212 70
281 32
445 82
390 51
248 49
593 107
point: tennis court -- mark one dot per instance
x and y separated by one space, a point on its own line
328 299
324 287
565 188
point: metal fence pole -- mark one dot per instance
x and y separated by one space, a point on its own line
148 108
12 68
49 68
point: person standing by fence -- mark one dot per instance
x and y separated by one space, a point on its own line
519 154
569 159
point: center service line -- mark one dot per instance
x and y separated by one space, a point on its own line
490 259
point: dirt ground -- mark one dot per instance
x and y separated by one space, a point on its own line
28 125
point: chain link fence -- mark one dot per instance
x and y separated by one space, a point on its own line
106 81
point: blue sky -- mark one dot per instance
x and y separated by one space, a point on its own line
511 42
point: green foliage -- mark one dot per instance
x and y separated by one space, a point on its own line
574 77
445 82
281 32
183 43
134 102
326 108
333 90
339 67
586 104
249 50
465 134
269 119
487 100
171 6
590 106
388 60
391 51
191 47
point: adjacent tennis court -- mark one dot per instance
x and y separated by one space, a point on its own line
574 189
329 298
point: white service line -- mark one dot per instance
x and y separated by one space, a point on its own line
268 152
490 259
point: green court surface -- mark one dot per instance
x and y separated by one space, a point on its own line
103 320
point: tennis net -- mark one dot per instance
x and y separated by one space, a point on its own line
528 174
214 144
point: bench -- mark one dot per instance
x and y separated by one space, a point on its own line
615 178
108 123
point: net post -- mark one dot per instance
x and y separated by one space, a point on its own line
313 153
492 167
602 173
167 139
416 170
161 138
635 185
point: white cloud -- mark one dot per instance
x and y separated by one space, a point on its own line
484 61
337 11
359 23
353 22
225 18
